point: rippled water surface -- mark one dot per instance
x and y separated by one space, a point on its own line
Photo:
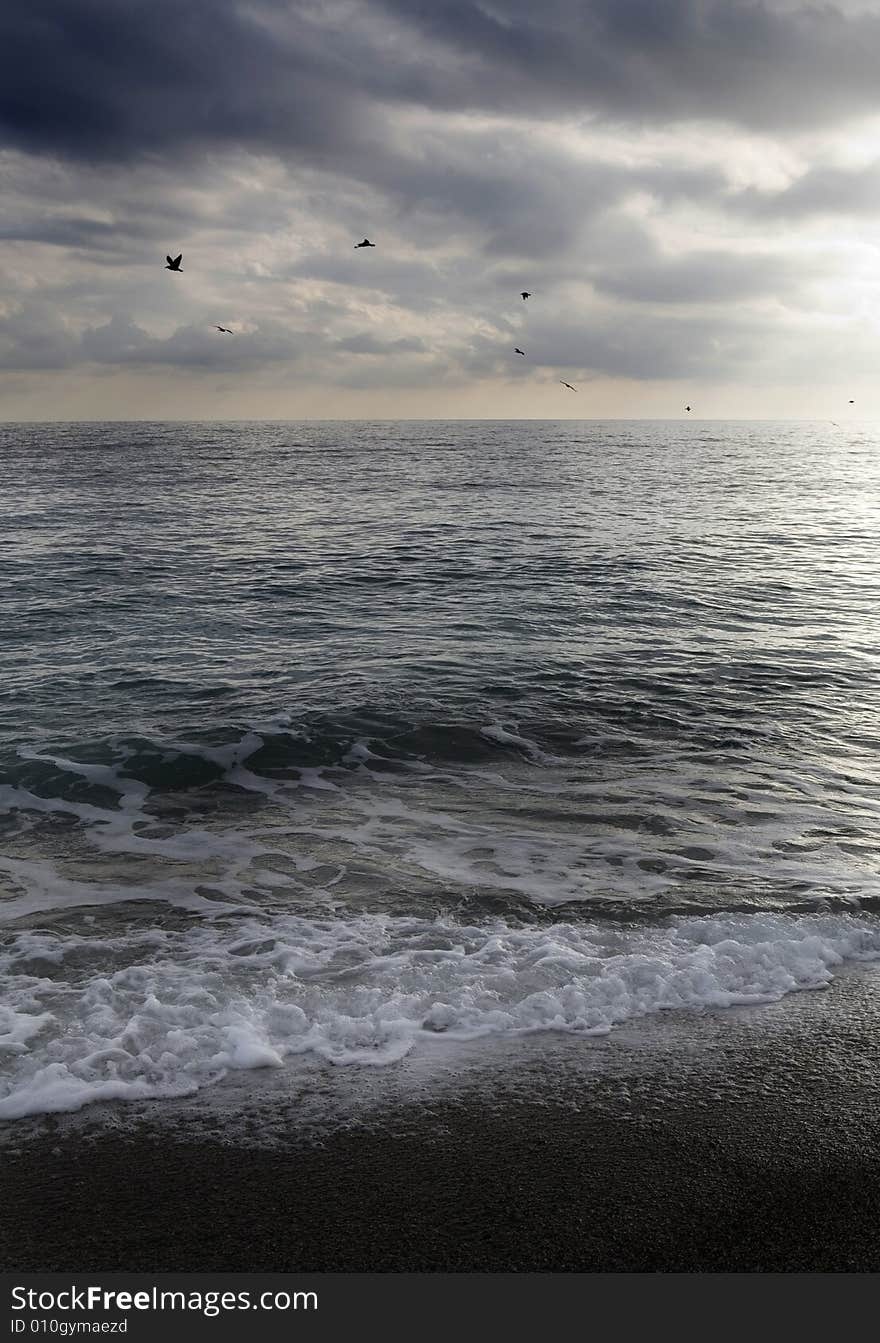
335 737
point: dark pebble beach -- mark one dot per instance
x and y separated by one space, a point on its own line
748 1142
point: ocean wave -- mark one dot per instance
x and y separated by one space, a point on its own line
400 832
134 765
159 1014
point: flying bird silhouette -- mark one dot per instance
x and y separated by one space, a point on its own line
525 294
174 263
687 407
568 385
226 330
517 350
852 403
366 243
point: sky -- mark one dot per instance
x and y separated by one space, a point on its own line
690 190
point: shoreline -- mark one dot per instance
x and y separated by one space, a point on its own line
742 1140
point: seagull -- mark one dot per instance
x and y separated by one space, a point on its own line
517 350
568 385
174 263
226 330
525 294
366 243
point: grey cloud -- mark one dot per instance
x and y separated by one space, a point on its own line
731 346
645 344
121 341
365 343
655 348
33 337
402 374
740 60
822 190
700 277
63 231
625 342
528 200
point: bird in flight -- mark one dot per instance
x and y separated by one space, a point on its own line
174 262
687 407
517 350
525 294
852 403
366 243
568 385
226 330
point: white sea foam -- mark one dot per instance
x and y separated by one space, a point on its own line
160 1013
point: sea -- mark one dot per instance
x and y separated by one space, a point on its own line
328 745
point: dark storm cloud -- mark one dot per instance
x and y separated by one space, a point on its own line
95 80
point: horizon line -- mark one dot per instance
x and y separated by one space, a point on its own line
455 419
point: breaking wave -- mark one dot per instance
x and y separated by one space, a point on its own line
160 1014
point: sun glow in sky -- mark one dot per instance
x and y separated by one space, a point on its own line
690 191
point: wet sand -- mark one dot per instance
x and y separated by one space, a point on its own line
736 1141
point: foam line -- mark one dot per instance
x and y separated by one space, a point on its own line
163 1013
